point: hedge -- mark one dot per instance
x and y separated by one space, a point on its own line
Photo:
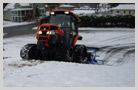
108 21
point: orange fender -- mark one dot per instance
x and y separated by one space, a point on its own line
77 38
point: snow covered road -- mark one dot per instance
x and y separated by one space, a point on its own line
117 48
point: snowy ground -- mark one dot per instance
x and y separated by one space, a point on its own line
117 48
98 29
9 23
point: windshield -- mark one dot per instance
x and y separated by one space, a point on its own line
61 20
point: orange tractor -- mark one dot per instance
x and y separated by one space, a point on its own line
56 39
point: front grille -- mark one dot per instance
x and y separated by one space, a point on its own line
44 32
44 28
43 38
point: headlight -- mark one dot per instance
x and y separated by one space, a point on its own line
66 12
40 32
48 32
52 13
51 32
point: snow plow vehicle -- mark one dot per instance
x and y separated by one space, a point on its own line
56 40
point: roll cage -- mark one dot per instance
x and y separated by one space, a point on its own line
58 17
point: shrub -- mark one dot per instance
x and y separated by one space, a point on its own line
108 21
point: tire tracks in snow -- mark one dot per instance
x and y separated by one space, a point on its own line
116 54
115 39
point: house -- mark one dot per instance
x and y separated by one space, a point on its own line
20 12
124 9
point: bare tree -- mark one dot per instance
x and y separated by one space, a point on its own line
34 10
97 8
113 4
52 5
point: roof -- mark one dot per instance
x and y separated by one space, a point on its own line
66 6
24 4
125 7
9 6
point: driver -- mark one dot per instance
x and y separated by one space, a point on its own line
65 24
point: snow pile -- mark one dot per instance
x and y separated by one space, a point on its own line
116 48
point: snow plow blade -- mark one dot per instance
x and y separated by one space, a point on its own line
92 56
